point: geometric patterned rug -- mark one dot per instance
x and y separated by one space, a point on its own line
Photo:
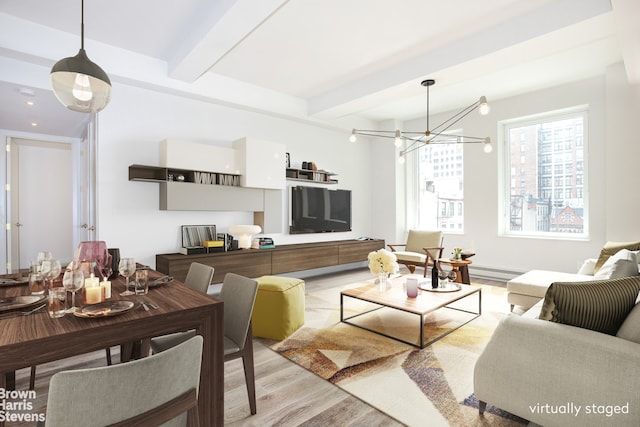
432 386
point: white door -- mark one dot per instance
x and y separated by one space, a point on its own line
42 202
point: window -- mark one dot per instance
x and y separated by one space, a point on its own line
440 196
552 203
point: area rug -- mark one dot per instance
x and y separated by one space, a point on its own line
432 386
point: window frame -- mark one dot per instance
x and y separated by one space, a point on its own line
581 165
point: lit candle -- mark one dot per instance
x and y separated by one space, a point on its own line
106 288
93 294
91 282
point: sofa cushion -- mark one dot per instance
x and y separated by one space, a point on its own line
600 305
630 329
622 264
610 248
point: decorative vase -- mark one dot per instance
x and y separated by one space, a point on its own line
382 281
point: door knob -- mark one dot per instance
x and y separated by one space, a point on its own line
18 224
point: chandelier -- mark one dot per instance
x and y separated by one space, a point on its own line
437 135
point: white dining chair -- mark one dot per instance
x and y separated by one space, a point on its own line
156 390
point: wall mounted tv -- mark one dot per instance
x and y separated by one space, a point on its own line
319 210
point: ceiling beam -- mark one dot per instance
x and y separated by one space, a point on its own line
550 17
229 22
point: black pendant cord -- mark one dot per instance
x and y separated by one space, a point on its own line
82 26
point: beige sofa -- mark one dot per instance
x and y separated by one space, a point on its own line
554 374
616 260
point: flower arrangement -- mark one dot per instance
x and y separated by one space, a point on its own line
457 253
382 261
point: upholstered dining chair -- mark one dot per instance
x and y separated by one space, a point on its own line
156 390
199 277
239 295
422 247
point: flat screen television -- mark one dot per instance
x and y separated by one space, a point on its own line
319 210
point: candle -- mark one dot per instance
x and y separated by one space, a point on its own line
106 288
93 294
91 282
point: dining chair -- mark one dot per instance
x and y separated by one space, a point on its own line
239 295
421 249
199 277
157 390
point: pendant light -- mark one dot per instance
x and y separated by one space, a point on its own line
80 84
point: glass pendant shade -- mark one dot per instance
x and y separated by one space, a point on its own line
80 84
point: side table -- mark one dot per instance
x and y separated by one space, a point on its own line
461 266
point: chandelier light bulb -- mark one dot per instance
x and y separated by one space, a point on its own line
484 106
401 159
488 148
353 138
398 140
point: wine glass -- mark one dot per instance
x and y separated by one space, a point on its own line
73 280
43 256
452 275
442 275
127 267
50 270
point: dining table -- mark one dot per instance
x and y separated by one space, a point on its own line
30 340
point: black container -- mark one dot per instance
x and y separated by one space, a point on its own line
115 261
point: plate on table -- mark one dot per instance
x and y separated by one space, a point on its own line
104 309
14 282
20 302
449 287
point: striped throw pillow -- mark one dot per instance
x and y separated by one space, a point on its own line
599 305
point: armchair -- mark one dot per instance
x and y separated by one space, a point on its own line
422 247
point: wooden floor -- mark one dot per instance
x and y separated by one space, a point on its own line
287 395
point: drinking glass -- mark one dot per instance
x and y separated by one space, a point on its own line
55 305
73 280
36 283
50 270
127 267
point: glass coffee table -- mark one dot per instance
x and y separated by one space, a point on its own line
395 297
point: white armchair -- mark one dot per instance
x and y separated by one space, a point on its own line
422 247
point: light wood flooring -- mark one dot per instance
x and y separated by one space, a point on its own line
287 395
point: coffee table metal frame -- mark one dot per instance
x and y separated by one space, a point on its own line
368 293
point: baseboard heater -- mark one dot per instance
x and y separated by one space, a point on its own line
493 273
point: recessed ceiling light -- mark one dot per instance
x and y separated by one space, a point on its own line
30 103
34 124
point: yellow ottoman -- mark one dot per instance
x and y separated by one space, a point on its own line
279 307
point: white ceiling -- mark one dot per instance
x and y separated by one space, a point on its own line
333 61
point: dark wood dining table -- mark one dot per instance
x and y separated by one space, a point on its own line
35 339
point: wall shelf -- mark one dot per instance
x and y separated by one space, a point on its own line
318 176
164 174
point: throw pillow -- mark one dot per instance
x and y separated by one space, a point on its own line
610 248
599 305
588 267
622 264
630 329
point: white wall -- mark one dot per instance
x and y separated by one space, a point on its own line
130 131
612 159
